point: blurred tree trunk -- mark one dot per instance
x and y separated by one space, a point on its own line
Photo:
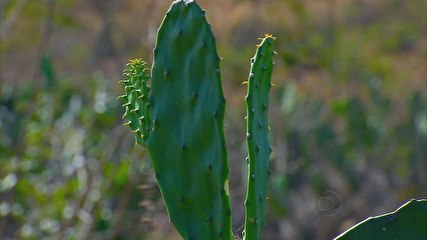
6 23
47 30
104 45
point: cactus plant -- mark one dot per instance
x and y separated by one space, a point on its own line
187 143
180 120
259 149
409 222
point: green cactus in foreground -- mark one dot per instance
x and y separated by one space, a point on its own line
259 149
180 120
187 143
409 222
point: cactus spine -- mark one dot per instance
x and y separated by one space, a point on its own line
259 150
180 120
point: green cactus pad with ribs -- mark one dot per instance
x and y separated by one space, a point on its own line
259 149
136 99
409 222
187 143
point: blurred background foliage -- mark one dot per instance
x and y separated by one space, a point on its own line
348 114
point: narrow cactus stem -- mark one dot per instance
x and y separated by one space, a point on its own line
136 99
259 149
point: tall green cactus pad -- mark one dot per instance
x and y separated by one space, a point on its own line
259 84
136 99
187 143
409 222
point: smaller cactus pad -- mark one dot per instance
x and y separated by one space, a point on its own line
259 149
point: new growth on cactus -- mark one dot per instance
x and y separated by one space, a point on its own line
180 120
136 99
